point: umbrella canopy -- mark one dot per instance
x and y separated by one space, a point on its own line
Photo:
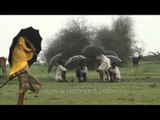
33 36
109 52
75 58
114 58
93 50
54 61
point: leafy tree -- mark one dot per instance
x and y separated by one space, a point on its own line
120 38
70 40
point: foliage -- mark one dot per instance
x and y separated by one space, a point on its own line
77 34
153 56
120 38
70 40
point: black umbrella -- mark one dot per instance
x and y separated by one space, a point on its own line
35 39
75 58
54 61
93 50
109 52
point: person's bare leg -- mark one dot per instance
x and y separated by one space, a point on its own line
85 77
101 75
114 77
107 74
22 88
20 99
64 76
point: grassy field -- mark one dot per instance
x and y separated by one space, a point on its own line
139 86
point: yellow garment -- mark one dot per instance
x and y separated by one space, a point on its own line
20 55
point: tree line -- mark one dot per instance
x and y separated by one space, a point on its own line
77 34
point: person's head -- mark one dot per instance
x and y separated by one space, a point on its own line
81 63
113 65
61 62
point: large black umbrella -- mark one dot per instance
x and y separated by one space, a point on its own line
109 52
93 50
33 36
75 58
54 61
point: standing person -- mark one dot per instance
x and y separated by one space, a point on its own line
105 64
81 72
61 72
115 73
21 54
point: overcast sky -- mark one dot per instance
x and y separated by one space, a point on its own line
146 28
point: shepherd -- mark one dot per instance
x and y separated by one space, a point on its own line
19 67
105 65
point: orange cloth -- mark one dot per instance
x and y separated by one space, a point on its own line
20 55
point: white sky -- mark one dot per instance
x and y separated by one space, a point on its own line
146 28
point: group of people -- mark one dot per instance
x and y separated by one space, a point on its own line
81 72
107 68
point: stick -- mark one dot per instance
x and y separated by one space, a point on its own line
5 83
11 79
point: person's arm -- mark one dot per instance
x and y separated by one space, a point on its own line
23 45
62 68
31 45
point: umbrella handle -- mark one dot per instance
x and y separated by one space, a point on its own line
28 41
31 45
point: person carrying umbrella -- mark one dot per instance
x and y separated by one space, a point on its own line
21 54
60 75
115 73
81 71
105 65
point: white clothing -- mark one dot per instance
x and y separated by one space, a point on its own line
105 62
117 72
59 71
84 70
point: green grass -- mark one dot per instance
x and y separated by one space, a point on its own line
138 86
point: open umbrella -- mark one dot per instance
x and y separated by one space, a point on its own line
54 61
109 52
75 58
93 50
33 36
114 58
